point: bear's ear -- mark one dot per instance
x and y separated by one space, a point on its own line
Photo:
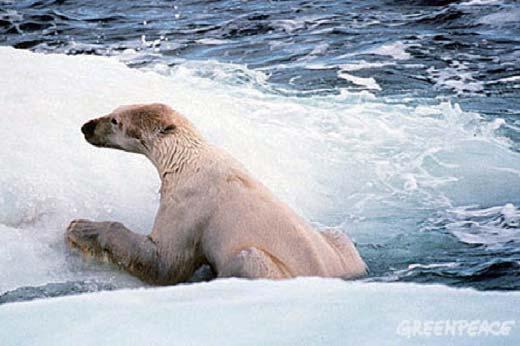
167 129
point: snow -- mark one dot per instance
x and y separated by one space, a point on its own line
237 312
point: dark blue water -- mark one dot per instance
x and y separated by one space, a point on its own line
417 52
467 50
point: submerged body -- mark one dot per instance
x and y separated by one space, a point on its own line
211 212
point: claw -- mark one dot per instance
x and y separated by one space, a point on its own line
84 235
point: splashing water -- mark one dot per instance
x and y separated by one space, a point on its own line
403 181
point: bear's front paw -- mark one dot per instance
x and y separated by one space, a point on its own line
86 236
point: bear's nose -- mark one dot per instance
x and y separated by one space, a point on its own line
89 127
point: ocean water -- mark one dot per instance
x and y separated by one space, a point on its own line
397 121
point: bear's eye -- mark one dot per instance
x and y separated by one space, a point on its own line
113 121
168 129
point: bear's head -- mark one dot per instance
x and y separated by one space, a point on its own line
136 128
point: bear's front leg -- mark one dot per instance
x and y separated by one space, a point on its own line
86 236
133 252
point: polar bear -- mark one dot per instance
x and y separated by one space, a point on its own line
211 212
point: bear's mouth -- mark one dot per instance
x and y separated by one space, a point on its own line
94 141
101 144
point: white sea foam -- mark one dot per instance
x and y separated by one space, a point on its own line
432 265
289 25
361 65
396 50
367 82
489 226
481 2
414 267
506 80
334 159
11 14
318 50
213 41
501 18
457 77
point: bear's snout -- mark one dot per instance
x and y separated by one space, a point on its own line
89 128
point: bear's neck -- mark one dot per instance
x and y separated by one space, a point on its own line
176 155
